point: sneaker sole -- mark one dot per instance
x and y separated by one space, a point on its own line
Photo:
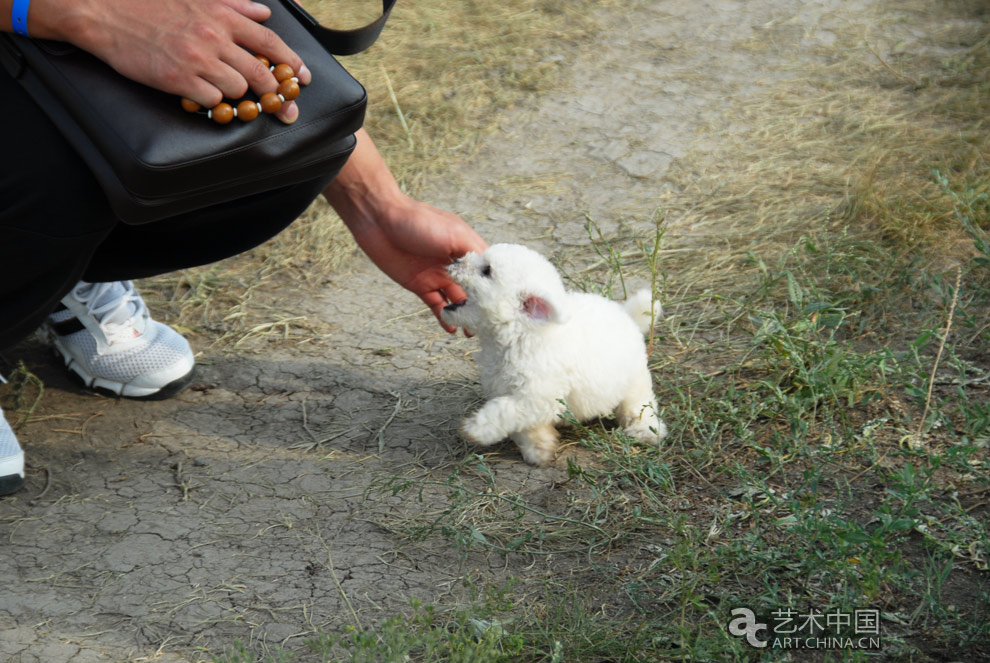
11 474
168 391
11 484
119 389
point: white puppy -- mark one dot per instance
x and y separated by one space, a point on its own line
543 347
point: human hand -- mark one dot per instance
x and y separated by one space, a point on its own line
192 48
410 241
414 244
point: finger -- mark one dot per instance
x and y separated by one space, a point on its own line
257 74
466 240
203 92
454 293
436 302
227 79
255 11
289 112
259 39
261 80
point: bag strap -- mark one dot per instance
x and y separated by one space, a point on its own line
341 42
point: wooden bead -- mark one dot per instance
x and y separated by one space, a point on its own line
270 103
283 72
247 110
288 89
222 113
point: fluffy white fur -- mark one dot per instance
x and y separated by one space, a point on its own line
541 345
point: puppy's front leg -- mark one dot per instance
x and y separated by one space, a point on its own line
502 416
492 423
637 413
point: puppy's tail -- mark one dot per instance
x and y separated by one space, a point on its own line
643 310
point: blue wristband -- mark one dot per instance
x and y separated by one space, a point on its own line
19 17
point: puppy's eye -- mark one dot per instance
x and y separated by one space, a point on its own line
486 271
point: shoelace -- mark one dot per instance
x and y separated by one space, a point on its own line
115 311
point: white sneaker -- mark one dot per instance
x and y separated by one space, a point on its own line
11 459
107 337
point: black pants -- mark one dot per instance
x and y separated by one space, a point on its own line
56 227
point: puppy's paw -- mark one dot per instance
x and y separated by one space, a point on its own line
540 457
647 434
538 445
476 433
661 431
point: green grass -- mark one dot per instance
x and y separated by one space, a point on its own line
794 478
828 453
425 634
824 370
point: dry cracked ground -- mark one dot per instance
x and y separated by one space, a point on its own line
245 507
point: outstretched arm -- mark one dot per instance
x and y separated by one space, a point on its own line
410 241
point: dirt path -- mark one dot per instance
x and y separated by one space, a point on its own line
163 531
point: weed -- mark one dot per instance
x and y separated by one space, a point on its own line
835 305
426 634
27 390
240 653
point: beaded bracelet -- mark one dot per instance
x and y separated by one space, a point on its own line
247 110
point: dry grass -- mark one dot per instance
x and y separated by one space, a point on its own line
847 144
773 409
437 80
770 422
443 71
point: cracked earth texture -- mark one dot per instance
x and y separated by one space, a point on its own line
240 509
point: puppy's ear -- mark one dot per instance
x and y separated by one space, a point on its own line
542 309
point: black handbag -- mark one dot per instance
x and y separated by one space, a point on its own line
155 160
